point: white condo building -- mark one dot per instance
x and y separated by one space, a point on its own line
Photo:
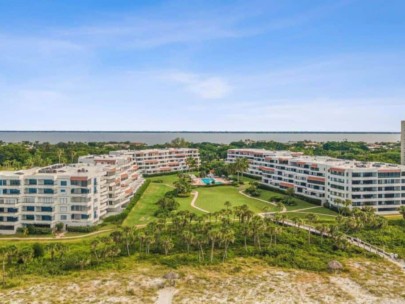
81 194
123 177
403 142
155 161
327 179
74 194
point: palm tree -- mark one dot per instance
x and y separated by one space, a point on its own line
323 229
188 238
241 165
227 236
214 236
258 227
191 163
201 240
167 244
60 153
128 236
228 204
73 153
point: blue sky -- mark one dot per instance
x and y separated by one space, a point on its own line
252 65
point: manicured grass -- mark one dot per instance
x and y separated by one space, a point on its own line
300 204
213 198
322 219
142 213
322 210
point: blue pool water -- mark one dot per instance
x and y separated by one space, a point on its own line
209 181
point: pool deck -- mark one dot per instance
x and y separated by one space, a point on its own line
199 181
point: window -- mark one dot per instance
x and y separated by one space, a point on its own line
63 217
63 200
48 182
62 190
48 191
32 182
63 183
63 209
32 190
30 208
14 182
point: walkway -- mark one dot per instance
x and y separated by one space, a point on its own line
195 193
352 240
264 201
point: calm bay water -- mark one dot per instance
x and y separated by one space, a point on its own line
215 137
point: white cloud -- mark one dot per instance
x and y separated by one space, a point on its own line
205 87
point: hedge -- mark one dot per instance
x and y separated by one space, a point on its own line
35 230
119 218
82 229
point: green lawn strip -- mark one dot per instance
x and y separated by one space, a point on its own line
142 213
213 198
320 210
322 219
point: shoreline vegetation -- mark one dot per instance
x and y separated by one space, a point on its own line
161 229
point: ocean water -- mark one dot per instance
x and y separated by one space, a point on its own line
151 138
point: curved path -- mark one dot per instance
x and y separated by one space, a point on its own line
264 201
193 203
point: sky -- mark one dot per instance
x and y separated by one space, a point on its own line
308 65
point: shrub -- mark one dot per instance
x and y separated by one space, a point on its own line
81 229
38 250
37 230
59 226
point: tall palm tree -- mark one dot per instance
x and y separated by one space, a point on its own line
60 153
167 244
227 236
213 236
189 238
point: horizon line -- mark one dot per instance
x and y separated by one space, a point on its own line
184 131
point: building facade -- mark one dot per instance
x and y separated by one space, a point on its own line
122 175
155 161
330 180
403 142
74 194
81 194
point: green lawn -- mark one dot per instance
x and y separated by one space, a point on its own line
213 198
142 213
322 219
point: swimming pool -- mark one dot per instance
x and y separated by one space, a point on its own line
210 181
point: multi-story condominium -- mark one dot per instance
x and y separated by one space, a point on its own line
123 177
75 195
330 180
403 142
155 161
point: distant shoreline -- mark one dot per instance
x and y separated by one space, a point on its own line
206 132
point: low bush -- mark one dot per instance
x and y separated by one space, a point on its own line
81 229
